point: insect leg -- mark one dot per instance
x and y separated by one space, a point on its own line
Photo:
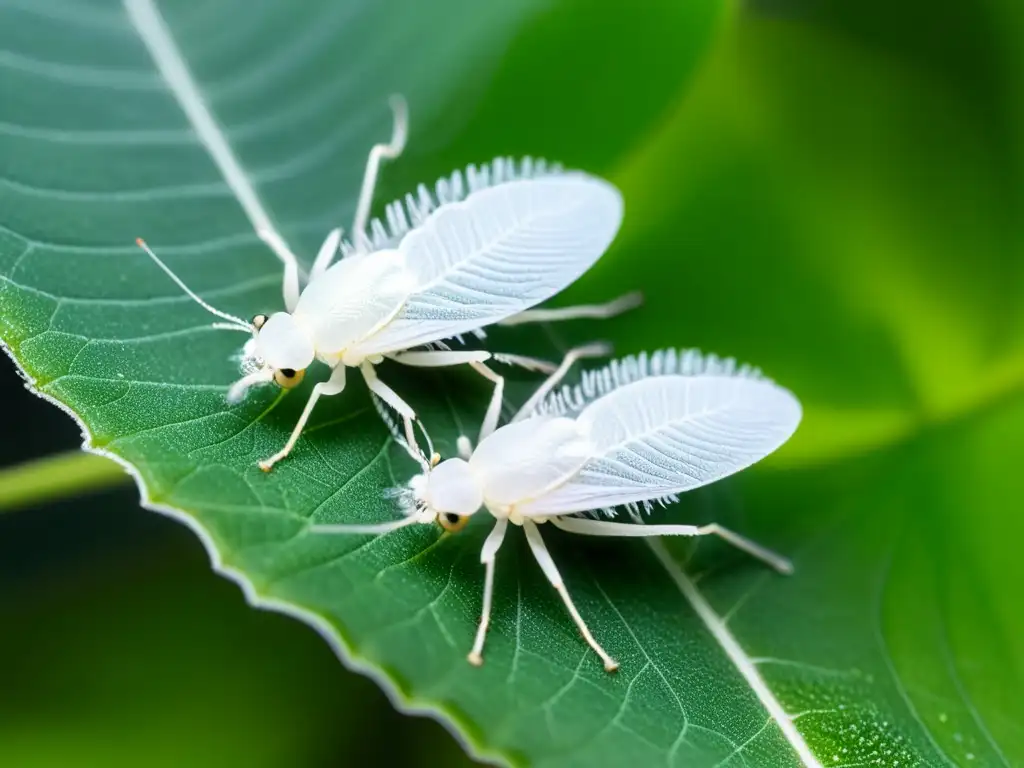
464 447
490 422
392 398
598 349
332 386
475 359
494 409
493 413
326 254
487 556
529 363
543 557
596 311
290 282
776 561
609 528
391 150
440 358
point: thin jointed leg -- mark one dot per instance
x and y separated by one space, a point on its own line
408 439
487 557
540 552
290 281
608 528
392 398
475 359
391 150
595 311
386 393
445 358
332 386
529 363
326 254
440 358
493 412
590 350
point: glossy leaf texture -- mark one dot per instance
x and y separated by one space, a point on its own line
771 215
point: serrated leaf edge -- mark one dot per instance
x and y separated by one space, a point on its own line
341 647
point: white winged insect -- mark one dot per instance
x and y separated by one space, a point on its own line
632 434
483 248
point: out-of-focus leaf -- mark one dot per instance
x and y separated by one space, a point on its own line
115 657
98 153
834 217
840 220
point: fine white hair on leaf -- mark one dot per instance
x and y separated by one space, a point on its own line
572 398
402 216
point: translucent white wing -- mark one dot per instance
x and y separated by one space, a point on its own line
657 432
520 237
524 459
406 214
352 298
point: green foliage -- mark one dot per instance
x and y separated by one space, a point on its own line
805 200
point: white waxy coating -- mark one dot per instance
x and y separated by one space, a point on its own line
526 458
501 251
283 343
352 299
453 488
664 435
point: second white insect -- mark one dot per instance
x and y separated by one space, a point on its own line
632 434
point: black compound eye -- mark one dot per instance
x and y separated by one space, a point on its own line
288 377
258 321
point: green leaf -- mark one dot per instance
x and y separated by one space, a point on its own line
766 218
874 265
122 641
54 477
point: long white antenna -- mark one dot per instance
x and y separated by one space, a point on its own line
237 323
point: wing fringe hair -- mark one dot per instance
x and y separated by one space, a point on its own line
402 216
573 398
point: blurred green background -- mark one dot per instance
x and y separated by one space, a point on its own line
850 172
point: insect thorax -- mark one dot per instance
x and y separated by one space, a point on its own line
353 300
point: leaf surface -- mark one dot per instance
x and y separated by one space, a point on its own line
894 640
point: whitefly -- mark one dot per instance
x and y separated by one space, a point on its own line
484 246
635 433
